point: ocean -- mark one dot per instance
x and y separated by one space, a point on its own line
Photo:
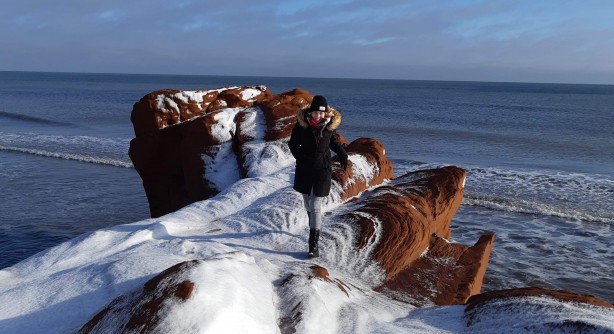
539 158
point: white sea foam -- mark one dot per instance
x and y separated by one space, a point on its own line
529 207
574 196
106 151
70 156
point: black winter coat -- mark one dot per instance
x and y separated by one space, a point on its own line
311 149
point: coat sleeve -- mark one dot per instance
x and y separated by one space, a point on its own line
295 143
336 146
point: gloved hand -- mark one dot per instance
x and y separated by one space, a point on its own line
344 162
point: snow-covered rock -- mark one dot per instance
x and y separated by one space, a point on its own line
235 261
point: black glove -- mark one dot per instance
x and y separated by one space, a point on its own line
344 162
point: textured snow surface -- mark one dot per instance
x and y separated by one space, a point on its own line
250 237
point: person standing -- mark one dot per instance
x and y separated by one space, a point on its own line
312 139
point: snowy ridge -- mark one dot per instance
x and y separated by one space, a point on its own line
261 217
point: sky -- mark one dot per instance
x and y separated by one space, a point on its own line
569 41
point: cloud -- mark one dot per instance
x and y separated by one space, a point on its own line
355 38
112 15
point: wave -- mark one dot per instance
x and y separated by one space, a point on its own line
31 119
529 207
104 151
70 156
573 196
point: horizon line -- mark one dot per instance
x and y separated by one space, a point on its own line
306 77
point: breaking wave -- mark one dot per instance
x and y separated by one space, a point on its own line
104 151
529 207
70 156
572 196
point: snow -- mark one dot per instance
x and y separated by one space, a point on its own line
246 292
361 166
538 314
250 93
197 97
221 167
250 238
224 126
261 157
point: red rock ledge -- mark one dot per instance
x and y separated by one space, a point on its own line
400 221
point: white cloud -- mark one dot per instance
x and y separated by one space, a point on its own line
386 34
112 15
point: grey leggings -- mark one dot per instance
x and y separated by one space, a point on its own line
313 204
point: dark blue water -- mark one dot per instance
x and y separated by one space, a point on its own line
540 161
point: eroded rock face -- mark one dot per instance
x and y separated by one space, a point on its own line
280 112
372 151
397 220
397 223
447 274
160 109
176 131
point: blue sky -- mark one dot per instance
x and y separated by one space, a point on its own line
529 41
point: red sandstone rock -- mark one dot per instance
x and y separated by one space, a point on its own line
142 311
280 112
373 151
562 295
160 109
447 274
402 216
157 159
173 132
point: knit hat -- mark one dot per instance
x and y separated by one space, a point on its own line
318 104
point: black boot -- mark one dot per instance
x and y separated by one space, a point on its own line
314 235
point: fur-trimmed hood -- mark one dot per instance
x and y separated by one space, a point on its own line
333 113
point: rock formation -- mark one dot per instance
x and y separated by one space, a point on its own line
402 226
557 311
447 274
373 152
174 130
409 210
177 132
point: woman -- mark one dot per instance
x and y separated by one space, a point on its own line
312 138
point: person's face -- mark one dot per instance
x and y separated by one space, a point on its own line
318 115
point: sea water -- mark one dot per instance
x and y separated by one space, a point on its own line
539 161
